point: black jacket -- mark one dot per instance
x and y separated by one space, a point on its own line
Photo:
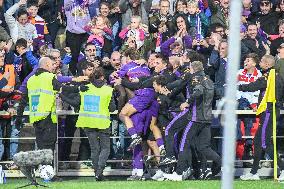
275 44
268 22
48 10
201 92
74 99
147 82
250 44
3 21
201 96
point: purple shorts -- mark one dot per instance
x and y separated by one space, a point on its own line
153 110
143 99
141 121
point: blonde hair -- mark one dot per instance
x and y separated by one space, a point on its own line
269 59
137 17
105 19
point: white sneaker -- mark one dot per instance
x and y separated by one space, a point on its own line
250 176
162 150
159 174
266 164
173 177
281 177
161 179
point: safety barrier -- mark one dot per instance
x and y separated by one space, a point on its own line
119 172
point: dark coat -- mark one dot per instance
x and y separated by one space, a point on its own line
201 96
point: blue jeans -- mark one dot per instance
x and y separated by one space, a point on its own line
118 129
9 126
248 123
9 3
14 142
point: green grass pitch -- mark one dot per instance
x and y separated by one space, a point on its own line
90 183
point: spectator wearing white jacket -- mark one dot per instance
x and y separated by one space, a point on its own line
247 75
20 27
247 100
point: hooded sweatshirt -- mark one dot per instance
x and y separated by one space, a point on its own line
77 14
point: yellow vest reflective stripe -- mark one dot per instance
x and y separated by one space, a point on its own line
42 91
94 115
94 112
41 97
41 114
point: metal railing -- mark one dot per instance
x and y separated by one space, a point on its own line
89 172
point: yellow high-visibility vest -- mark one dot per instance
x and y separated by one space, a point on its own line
94 112
41 97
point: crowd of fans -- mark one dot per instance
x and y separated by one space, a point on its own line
140 44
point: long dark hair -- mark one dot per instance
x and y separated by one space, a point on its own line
184 2
183 16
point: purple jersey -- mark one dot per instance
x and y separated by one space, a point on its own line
134 70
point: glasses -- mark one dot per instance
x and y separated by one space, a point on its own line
91 50
265 4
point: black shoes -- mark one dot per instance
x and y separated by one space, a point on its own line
205 174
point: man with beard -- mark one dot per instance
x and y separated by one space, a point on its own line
267 17
253 42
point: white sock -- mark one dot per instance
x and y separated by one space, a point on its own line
139 172
133 136
134 171
161 147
